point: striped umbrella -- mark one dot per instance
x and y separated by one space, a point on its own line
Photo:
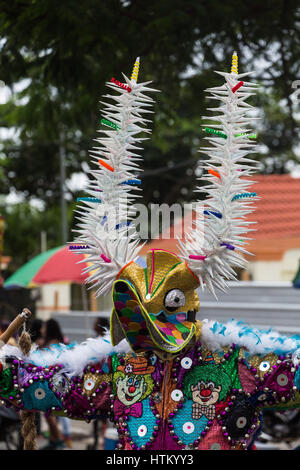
55 265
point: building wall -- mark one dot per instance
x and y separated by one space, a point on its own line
265 270
282 270
290 264
57 297
54 297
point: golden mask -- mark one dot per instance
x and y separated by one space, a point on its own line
155 307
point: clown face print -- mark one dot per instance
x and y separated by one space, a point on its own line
130 389
206 386
205 393
133 383
204 396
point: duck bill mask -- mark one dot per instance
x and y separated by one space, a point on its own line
155 307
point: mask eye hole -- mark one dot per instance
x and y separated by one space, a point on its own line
174 299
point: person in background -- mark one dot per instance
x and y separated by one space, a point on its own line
35 332
101 325
52 334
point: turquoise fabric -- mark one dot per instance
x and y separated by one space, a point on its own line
183 423
38 396
147 420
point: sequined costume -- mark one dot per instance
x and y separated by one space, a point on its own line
167 380
204 396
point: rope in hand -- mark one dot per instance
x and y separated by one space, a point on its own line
27 417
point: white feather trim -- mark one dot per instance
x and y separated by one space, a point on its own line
74 359
217 335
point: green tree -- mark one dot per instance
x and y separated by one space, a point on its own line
63 52
24 224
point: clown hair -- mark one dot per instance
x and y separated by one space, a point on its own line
214 246
208 373
105 224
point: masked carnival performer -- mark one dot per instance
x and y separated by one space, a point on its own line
167 380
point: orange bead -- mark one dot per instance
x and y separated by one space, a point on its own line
215 173
106 165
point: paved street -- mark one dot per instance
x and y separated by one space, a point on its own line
82 438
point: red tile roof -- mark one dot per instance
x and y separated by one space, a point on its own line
278 211
277 214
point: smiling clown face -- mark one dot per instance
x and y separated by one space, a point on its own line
130 389
205 394
155 307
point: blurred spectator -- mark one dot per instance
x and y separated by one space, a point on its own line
52 334
35 332
101 325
